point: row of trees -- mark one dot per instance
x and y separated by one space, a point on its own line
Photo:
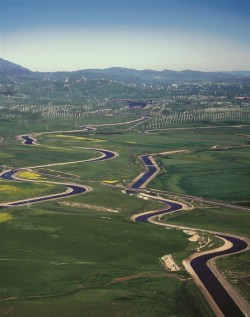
10 115
161 121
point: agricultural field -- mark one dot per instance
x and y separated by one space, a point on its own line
82 256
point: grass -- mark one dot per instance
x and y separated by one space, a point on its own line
70 256
4 216
103 170
145 297
12 191
207 174
28 156
114 198
236 269
30 175
77 138
216 219
35 124
70 262
110 181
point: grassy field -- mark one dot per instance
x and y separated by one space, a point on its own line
25 156
207 173
4 216
69 258
144 297
30 175
235 267
12 191
62 258
115 199
216 219
12 127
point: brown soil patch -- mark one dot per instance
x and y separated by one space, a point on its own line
88 206
174 152
5 310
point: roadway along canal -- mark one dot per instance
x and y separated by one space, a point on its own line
72 189
223 300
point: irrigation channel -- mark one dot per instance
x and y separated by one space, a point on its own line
72 189
198 265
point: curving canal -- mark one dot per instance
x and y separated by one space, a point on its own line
150 172
223 300
27 139
72 189
221 297
199 264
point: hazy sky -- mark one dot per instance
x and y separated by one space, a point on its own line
49 35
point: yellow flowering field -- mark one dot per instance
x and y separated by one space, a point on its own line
80 138
110 181
4 216
30 175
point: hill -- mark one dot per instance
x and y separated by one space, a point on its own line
8 69
126 75
152 76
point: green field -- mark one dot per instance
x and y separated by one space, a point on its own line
12 127
12 191
208 174
62 258
78 257
216 219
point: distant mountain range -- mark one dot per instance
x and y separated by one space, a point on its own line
8 69
11 70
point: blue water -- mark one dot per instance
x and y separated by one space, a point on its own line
76 190
151 170
224 301
27 140
9 176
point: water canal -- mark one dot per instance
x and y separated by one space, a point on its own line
199 264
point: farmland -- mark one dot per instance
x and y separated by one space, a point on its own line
82 256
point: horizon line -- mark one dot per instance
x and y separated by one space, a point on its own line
129 68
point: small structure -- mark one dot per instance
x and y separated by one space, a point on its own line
170 263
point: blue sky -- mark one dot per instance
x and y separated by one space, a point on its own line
49 35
